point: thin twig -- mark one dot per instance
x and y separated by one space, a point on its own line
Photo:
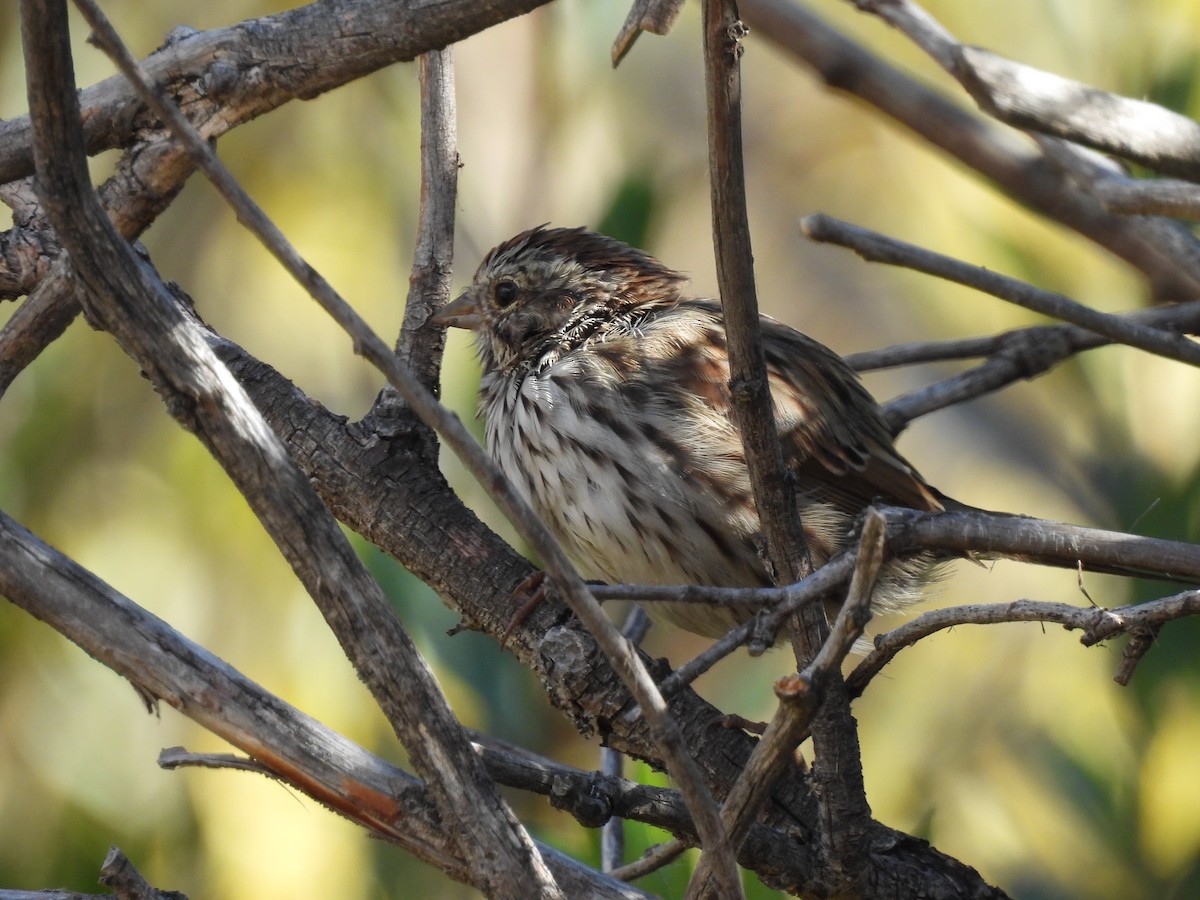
794 597
801 695
574 592
1096 623
1039 346
919 352
612 761
1026 353
875 247
182 758
688 593
652 860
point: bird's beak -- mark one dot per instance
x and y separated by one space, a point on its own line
460 313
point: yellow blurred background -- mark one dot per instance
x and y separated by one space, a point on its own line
1009 747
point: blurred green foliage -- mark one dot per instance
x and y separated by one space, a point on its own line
1008 747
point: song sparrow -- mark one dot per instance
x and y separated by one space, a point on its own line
605 393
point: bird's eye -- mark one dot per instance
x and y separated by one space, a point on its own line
506 292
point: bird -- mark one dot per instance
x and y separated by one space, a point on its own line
606 401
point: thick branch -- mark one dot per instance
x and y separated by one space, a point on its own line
129 301
292 746
1164 251
368 344
229 76
1029 98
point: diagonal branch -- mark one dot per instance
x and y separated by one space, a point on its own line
230 76
147 178
1029 98
126 298
1023 354
282 740
679 762
875 247
1164 251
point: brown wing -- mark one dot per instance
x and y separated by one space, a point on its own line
833 435
831 429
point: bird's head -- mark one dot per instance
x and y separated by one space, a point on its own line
547 289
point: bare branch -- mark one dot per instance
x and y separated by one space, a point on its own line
1010 164
800 696
1023 354
1096 623
1042 542
875 247
126 297
750 396
232 75
420 344
651 861
838 773
764 627
1029 98
292 746
917 352
654 16
625 661
1144 197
